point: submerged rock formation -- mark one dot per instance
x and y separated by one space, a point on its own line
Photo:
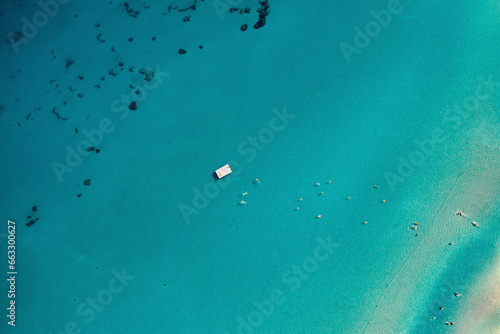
264 10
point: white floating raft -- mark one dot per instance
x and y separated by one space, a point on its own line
223 171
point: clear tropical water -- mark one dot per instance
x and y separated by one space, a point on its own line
155 245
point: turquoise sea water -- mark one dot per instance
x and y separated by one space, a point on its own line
416 112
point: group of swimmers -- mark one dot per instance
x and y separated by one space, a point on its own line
459 213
